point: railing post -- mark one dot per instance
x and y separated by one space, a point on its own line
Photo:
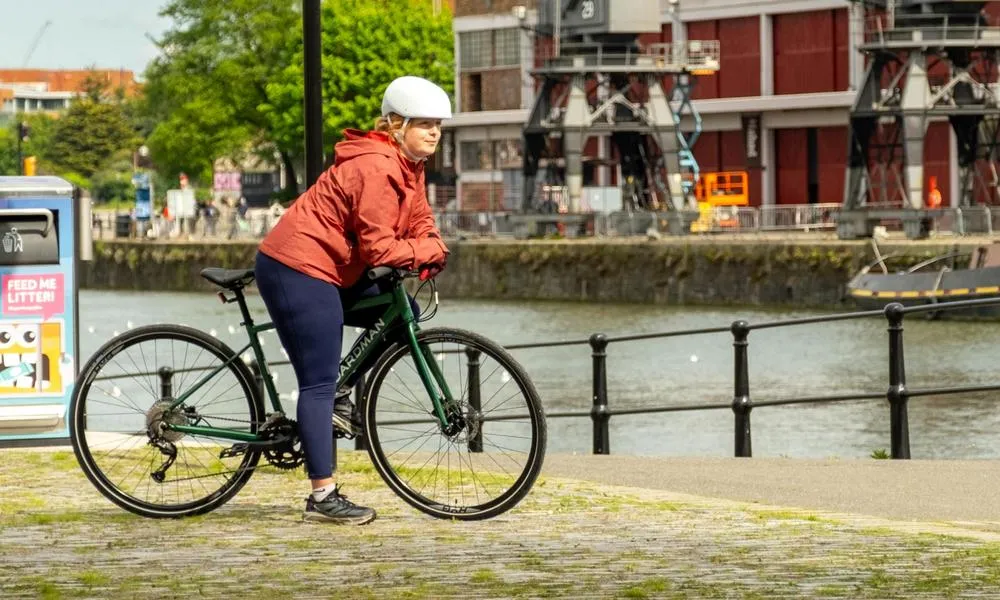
897 395
599 412
166 382
742 405
475 399
360 442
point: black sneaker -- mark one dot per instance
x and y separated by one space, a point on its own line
343 413
337 509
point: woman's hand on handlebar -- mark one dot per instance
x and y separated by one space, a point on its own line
430 271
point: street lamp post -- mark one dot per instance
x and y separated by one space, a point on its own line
313 89
23 131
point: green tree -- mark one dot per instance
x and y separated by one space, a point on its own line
8 148
37 145
90 136
365 46
206 90
230 79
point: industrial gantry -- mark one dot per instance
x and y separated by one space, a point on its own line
927 60
598 80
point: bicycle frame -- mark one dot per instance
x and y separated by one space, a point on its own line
398 313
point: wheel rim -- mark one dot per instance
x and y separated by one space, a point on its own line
443 474
122 400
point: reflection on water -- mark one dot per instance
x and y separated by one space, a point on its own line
846 356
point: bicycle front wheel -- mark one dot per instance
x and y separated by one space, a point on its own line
489 461
122 402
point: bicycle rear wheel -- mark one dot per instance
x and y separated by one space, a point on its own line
122 400
478 471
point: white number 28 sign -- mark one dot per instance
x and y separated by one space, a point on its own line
587 9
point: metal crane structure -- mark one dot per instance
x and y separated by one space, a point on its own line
597 80
927 60
34 44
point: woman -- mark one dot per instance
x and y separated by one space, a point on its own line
369 209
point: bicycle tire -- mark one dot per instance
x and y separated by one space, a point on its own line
391 474
85 450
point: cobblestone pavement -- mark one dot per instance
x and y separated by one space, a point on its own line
570 538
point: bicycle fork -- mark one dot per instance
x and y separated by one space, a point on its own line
446 409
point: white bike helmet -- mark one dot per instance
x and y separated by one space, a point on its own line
416 98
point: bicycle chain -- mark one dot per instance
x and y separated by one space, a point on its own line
287 455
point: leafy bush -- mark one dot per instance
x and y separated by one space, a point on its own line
110 186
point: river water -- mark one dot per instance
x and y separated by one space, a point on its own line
847 356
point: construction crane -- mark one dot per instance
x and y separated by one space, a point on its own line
34 43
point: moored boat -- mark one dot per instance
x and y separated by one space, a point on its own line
933 281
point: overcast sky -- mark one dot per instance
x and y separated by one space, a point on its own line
107 34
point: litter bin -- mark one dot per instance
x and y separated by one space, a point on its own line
123 225
38 333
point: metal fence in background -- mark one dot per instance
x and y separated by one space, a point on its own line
108 225
970 221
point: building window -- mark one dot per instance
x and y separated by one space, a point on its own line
476 156
513 188
487 156
507 154
472 92
490 48
508 47
476 49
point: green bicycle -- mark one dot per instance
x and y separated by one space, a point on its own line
168 421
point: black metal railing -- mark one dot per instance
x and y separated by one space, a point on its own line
742 404
897 394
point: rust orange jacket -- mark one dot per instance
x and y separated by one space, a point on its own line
369 209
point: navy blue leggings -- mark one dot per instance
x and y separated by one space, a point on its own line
308 314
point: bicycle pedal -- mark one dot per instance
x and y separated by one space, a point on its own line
344 428
340 434
234 450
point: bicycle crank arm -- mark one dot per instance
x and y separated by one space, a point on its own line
242 447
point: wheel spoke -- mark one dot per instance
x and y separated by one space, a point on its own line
191 476
453 477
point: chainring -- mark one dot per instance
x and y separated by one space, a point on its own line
285 455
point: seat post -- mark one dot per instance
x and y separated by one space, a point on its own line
244 309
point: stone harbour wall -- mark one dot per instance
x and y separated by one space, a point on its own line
802 273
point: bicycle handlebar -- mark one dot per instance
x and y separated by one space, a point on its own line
380 272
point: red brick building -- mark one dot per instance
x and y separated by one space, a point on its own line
39 90
790 62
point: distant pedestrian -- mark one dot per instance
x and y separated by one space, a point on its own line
211 216
231 218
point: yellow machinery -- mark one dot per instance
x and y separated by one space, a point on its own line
721 189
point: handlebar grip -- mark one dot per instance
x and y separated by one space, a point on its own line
379 272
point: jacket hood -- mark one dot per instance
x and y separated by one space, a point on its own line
358 143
